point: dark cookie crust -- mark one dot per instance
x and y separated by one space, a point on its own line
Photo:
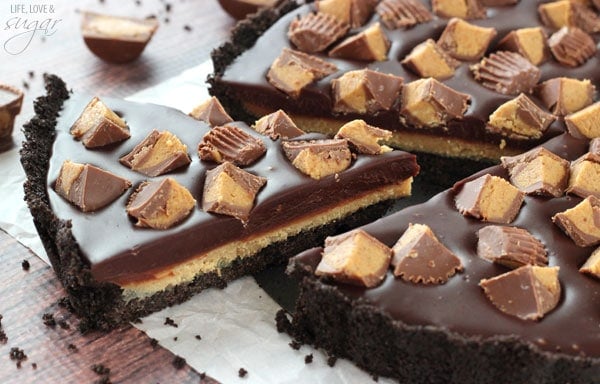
355 329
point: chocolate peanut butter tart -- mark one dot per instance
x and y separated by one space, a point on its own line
495 280
140 206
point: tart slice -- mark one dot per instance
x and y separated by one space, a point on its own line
201 225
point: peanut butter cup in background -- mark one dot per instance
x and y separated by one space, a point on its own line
10 106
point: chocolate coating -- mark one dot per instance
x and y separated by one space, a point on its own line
134 253
459 306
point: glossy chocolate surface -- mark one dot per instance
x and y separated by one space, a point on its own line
120 252
460 306
245 79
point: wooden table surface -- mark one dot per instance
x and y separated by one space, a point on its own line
33 321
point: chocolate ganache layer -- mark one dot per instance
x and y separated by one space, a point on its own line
458 309
240 77
120 252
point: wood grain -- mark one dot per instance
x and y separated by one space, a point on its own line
59 353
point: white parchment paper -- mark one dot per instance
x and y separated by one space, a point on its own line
236 325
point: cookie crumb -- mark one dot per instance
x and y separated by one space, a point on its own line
175 338
179 362
25 265
100 369
308 359
34 365
171 322
17 355
3 337
72 347
31 74
295 344
153 343
48 320
331 360
187 28
198 337
242 372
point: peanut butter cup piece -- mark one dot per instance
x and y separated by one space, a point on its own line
364 138
419 257
464 9
88 187
160 204
582 222
520 118
584 123
428 59
293 70
318 158
538 172
595 146
430 103
314 32
510 246
396 14
277 125
568 13
571 46
231 191
98 126
353 12
556 14
370 44
528 292
506 72
564 95
11 100
117 39
528 42
592 265
489 198
465 41
211 112
355 258
157 154
585 176
229 143
365 91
